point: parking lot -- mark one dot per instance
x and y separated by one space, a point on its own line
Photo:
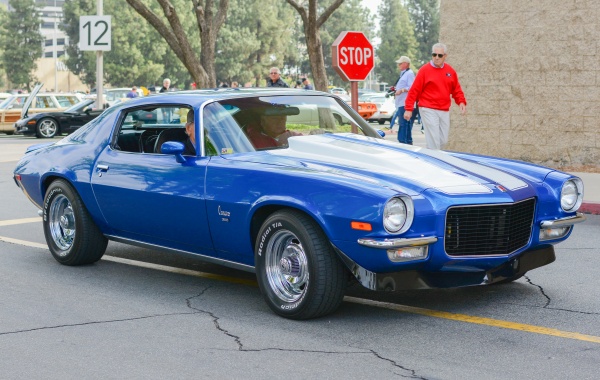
139 313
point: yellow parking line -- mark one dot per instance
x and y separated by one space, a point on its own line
477 320
385 305
19 221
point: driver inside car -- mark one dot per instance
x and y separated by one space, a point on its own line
271 133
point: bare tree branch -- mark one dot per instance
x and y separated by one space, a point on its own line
325 15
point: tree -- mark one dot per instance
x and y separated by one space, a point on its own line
23 45
425 15
254 40
351 13
209 18
138 55
3 33
312 24
397 38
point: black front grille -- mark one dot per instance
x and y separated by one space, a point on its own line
489 229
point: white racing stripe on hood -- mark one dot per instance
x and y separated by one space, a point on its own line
380 160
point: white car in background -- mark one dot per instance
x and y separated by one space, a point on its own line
114 96
385 108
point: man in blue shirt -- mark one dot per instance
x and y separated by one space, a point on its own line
406 79
133 93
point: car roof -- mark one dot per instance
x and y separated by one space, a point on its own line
197 97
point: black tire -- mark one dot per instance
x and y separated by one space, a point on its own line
381 121
9 133
46 128
298 273
71 234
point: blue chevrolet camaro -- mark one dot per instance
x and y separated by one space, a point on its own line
294 186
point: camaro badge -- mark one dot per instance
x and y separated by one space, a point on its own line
224 214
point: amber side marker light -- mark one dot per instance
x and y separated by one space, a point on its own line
361 226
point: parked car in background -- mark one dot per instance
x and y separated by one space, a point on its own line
11 109
341 93
50 124
114 96
304 210
385 108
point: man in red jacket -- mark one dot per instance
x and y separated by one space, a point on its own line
435 82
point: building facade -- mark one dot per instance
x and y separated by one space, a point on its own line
530 75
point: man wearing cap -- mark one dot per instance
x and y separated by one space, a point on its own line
405 81
433 86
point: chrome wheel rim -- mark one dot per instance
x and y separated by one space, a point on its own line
62 222
47 128
286 266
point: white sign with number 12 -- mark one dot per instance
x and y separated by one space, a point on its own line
94 33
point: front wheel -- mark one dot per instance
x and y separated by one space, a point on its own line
71 234
46 128
298 273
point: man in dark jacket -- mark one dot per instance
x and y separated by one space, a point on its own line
275 79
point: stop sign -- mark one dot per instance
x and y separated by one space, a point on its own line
353 56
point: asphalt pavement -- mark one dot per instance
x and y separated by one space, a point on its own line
591 181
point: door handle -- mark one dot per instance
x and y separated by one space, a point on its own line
101 168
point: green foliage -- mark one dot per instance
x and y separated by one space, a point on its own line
351 15
254 38
138 55
3 32
397 39
425 15
21 42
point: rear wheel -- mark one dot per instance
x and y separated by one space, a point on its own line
381 121
298 273
46 128
71 234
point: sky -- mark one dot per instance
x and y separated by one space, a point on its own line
372 5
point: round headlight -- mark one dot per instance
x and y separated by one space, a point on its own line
571 195
397 215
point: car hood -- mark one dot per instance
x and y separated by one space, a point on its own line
29 100
397 166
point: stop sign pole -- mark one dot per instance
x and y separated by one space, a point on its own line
353 59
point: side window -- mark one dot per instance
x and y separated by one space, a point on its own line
43 102
66 100
144 130
222 134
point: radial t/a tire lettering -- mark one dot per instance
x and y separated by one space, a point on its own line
72 236
298 273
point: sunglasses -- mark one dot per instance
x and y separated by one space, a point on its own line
273 73
438 55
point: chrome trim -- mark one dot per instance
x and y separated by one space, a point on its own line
102 167
568 221
213 260
397 243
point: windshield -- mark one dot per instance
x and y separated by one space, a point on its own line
268 121
4 103
76 108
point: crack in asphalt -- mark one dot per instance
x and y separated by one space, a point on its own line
552 308
241 347
91 323
548 300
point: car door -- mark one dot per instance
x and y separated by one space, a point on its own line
151 197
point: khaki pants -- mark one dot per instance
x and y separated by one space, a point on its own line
437 127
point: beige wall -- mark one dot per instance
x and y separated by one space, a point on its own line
65 80
531 73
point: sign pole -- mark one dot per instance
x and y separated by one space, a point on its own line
354 101
99 65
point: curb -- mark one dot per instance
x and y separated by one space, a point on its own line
590 208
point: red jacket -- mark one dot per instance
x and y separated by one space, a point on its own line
432 88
